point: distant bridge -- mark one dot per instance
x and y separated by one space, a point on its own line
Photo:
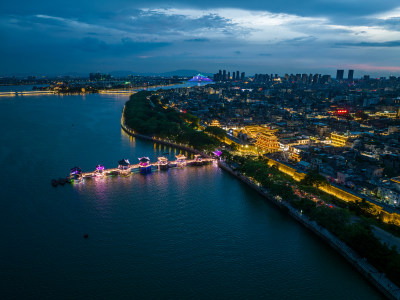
117 92
26 93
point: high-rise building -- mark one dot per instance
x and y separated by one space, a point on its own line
224 75
233 76
242 76
287 77
304 78
325 79
339 74
229 76
237 75
316 79
350 75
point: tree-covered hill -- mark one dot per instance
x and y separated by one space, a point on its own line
145 114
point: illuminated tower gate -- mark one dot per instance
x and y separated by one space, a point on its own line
162 163
180 160
144 165
75 173
123 164
267 143
124 167
100 170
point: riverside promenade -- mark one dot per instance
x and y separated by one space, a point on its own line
379 280
162 141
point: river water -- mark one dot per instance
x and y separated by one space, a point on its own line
184 233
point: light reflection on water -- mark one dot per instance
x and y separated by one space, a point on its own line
193 232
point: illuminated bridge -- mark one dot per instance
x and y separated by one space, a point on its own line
125 168
26 93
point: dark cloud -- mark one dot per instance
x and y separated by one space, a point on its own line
368 21
299 40
125 47
390 23
91 45
160 23
198 40
82 35
370 44
302 8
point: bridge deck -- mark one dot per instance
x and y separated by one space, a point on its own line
25 93
136 166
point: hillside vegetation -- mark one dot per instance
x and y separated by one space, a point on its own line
145 114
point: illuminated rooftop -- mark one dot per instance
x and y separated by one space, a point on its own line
199 78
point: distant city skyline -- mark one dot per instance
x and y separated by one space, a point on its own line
219 76
55 38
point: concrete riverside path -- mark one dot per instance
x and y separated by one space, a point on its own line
379 280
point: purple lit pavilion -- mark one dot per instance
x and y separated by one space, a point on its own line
144 165
75 172
100 169
200 78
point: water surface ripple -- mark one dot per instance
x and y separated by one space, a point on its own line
183 233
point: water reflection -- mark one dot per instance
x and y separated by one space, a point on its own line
189 227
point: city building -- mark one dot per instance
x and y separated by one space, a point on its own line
339 74
215 123
350 75
253 131
340 139
267 142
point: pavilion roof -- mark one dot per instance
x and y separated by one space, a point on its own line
124 162
144 159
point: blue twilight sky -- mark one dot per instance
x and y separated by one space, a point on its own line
291 36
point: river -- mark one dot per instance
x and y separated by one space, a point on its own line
184 233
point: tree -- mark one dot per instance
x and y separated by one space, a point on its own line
216 131
226 155
233 146
155 99
191 119
313 178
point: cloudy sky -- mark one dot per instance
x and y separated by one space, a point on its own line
291 36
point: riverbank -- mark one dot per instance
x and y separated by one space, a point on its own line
383 284
379 280
161 141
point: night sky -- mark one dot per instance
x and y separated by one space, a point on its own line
60 37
